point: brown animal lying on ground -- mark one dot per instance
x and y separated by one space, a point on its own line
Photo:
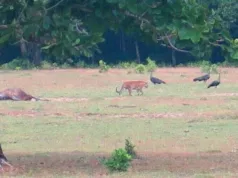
133 85
17 94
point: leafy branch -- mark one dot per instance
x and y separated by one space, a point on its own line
144 20
54 6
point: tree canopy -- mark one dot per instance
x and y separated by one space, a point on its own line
66 28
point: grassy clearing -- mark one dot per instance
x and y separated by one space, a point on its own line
181 117
60 134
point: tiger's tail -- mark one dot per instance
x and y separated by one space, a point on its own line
119 92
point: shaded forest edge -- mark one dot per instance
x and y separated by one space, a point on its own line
117 51
66 34
114 55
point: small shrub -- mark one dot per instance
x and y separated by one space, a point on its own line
18 68
124 65
130 148
65 66
103 66
47 65
227 63
18 64
151 65
80 64
127 65
140 68
55 65
133 64
214 68
205 66
119 161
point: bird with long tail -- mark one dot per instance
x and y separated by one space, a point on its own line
215 83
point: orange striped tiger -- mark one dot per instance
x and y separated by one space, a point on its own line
137 85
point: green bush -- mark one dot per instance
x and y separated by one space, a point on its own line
103 66
130 148
214 68
18 68
119 161
124 65
65 66
140 68
127 65
18 64
47 65
151 65
80 64
205 66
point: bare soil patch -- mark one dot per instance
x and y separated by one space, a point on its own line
159 100
89 163
33 81
186 163
184 115
223 94
66 99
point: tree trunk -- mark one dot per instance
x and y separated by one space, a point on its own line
23 48
173 58
92 60
31 51
34 53
37 54
137 52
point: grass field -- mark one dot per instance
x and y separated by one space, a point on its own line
181 129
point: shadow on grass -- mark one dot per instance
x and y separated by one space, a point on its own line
89 163
58 163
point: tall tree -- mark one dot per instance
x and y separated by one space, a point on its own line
65 28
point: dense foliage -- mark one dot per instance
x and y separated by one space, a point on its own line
63 29
119 161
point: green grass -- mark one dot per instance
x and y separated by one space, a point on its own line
39 137
93 135
39 130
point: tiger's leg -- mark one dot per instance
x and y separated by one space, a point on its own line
129 90
141 91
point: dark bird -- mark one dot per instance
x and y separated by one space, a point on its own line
3 159
215 83
155 80
202 78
